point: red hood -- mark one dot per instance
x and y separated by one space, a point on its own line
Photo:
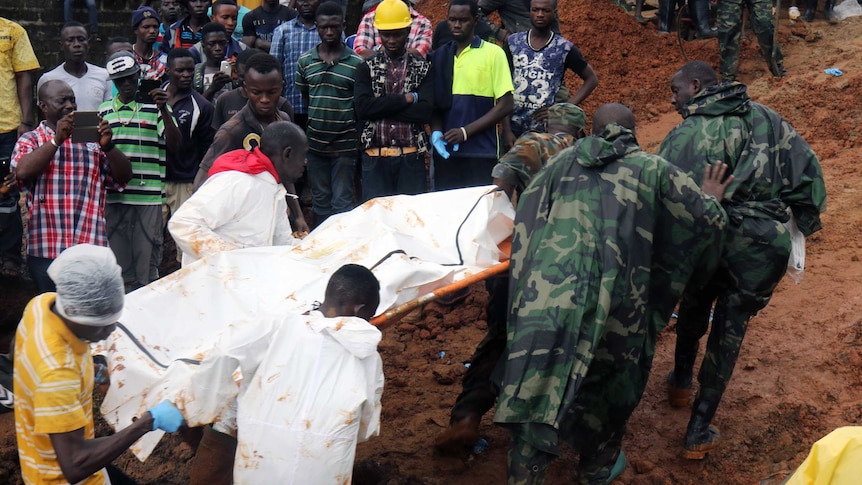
250 162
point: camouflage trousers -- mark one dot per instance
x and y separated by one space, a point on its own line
729 25
594 424
534 447
754 261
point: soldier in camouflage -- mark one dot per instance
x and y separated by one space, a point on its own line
531 151
774 170
729 25
605 239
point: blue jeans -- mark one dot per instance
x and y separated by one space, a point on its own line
404 174
331 180
68 6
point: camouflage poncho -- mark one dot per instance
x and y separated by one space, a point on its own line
774 167
605 239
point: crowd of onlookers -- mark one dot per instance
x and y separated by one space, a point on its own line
199 79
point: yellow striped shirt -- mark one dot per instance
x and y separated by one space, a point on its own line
53 391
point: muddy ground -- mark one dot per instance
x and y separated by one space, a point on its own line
798 375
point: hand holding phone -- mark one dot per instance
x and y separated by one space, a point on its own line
225 67
144 88
86 127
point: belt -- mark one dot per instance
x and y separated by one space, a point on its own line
390 151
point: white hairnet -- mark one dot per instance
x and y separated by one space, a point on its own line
89 285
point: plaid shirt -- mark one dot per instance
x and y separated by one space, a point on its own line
289 41
391 133
154 68
67 201
419 37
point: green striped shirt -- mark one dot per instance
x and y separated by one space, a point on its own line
138 132
331 119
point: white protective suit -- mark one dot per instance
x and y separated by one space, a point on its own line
304 402
232 210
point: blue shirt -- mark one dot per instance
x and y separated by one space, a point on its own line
289 41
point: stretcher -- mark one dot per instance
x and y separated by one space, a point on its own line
420 248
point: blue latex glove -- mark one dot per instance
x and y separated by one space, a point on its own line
455 148
439 144
166 417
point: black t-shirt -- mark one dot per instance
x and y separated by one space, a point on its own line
263 23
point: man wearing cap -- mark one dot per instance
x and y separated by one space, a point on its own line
540 58
87 80
513 173
368 38
65 181
143 131
54 375
472 93
394 97
145 25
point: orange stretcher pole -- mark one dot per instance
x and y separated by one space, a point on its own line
394 315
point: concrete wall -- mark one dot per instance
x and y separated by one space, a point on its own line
43 19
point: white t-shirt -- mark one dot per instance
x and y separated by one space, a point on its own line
90 90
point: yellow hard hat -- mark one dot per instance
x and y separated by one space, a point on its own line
392 15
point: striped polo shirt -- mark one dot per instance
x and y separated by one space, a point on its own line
331 119
53 391
139 133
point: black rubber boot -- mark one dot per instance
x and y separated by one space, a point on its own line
700 436
700 14
810 10
679 380
665 10
829 12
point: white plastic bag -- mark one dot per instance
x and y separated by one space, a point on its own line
848 8
796 262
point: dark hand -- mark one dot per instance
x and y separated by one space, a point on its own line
453 136
105 133
64 128
508 140
219 80
8 183
712 184
540 115
160 97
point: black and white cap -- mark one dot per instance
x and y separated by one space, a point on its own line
121 64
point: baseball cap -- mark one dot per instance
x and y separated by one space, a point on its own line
567 114
121 64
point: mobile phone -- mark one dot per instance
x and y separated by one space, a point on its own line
225 67
86 128
5 163
144 88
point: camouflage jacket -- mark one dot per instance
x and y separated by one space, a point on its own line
605 239
774 168
529 154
